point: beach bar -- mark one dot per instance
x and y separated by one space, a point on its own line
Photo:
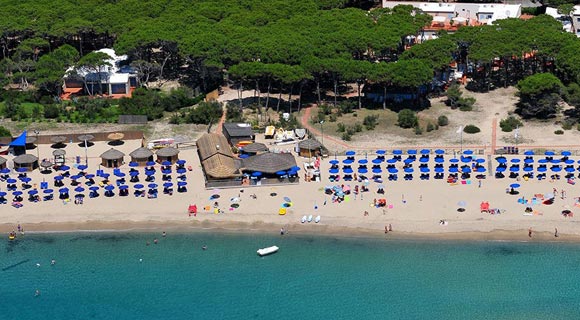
269 163
167 154
27 161
141 156
309 148
112 158
217 160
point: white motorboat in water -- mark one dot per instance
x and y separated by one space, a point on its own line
310 218
317 219
267 251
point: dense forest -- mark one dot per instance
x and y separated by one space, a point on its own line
300 47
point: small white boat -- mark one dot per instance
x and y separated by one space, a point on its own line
317 219
267 251
303 219
310 218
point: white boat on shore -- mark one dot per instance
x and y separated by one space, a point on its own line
267 251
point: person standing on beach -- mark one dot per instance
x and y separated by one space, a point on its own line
530 232
556 232
479 183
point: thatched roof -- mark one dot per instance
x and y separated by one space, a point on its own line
116 136
167 152
141 153
85 137
255 147
112 154
25 159
58 152
30 140
309 144
2 160
58 139
216 156
269 162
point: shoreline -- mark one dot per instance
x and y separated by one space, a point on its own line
261 228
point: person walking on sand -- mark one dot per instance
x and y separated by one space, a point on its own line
479 183
390 227
386 230
530 232
556 232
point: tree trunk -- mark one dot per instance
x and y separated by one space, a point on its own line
290 98
240 93
385 97
279 99
300 95
268 94
335 91
259 95
318 91
359 98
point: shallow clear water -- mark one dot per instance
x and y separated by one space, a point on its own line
100 276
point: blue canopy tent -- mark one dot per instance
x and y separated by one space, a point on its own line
18 145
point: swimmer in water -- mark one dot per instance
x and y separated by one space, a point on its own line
155 241
204 247
164 234
38 265
52 262
37 293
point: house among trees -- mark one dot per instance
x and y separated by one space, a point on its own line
101 73
450 16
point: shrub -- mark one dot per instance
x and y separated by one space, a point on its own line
175 118
5 132
559 132
51 111
407 118
418 130
442 121
346 136
430 127
370 121
510 123
350 130
471 129
340 127
332 118
466 104
358 127
567 125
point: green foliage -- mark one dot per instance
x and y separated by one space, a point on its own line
346 136
234 113
357 127
442 121
559 132
205 113
510 123
340 127
471 129
455 99
418 130
539 96
407 118
371 121
5 132
567 125
430 127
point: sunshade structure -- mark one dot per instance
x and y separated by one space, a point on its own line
167 154
254 148
58 141
2 163
18 145
217 159
269 163
116 138
112 158
27 161
59 157
309 148
141 156
86 139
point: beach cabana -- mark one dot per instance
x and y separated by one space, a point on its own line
112 158
27 161
167 154
216 157
141 156
308 148
2 163
269 163
254 148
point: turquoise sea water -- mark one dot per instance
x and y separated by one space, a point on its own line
100 276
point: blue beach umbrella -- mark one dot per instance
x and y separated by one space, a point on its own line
363 161
439 151
333 171
454 160
94 188
165 163
138 186
501 159
480 169
10 181
152 186
408 160
453 170
528 160
569 169
363 170
392 160
424 169
180 162
3 194
48 191
182 183
381 152
542 169
377 170
280 173
569 161
466 169
409 170
425 151
149 172
397 151
64 168
439 159
5 170
166 171
529 153
515 160
333 162
133 164
256 174
393 170
119 174
123 187
566 153
75 177
377 161
468 152
412 152
150 163
439 170
82 167
556 168
89 176
63 190
528 169
424 159
134 173
33 192
105 175
168 185
466 159
555 161
350 153
348 170
480 160
543 161
109 187
500 169
79 189
17 193
514 169
21 170
347 161
515 185
549 153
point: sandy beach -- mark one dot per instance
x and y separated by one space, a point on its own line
414 208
